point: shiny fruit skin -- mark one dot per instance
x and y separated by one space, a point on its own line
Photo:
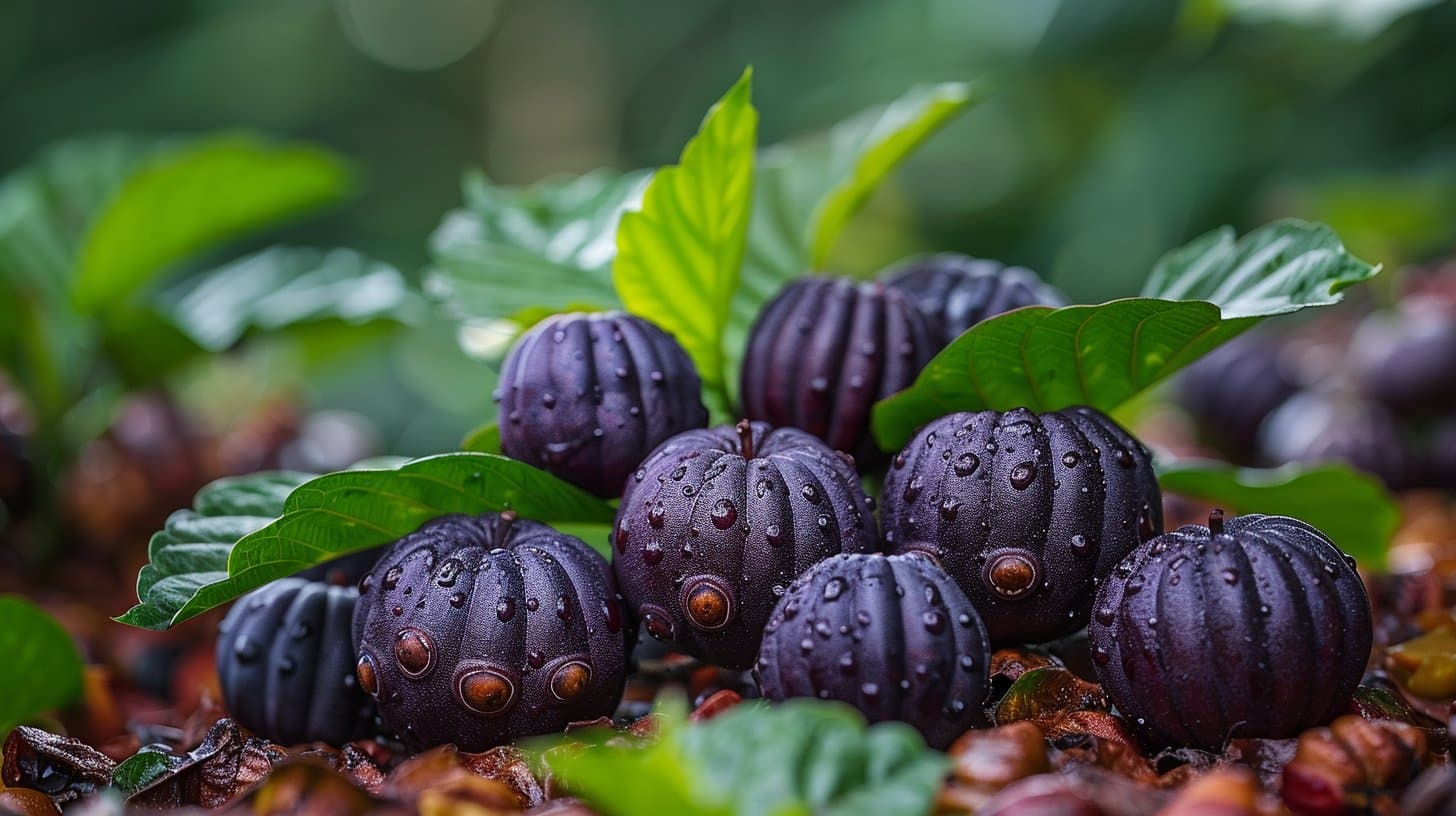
707 538
479 630
587 396
892 636
1256 627
955 292
1026 511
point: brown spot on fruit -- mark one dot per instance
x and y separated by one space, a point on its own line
368 679
415 652
708 604
570 680
486 691
1012 575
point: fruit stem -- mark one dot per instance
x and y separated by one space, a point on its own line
1215 521
745 438
503 525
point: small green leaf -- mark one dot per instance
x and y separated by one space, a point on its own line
678 257
334 515
191 199
1350 507
549 246
485 439
283 287
42 669
798 757
1046 359
192 550
141 769
805 193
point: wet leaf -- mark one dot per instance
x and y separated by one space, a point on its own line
1045 695
209 776
63 768
1047 359
43 668
678 257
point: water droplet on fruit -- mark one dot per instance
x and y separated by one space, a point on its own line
548 400
1135 584
1023 475
449 572
819 385
1106 615
871 691
949 508
724 514
246 650
532 604
833 589
966 464
658 626
652 553
1230 576
934 622
810 493
657 377
1080 546
657 516
613 616
1070 459
912 490
900 460
1122 456
457 599
773 535
846 663
391 578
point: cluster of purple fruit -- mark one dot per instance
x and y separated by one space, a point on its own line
755 546
1380 396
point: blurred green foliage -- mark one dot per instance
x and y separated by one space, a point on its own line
1115 129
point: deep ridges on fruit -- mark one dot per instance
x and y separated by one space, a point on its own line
825 350
480 630
890 635
587 396
1026 511
285 661
955 292
717 522
1257 626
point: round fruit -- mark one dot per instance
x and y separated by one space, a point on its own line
1026 511
890 635
285 660
717 522
1317 427
824 350
1254 627
1230 392
479 630
587 396
1407 360
955 292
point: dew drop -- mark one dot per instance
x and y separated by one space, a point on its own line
773 535
724 514
966 464
1023 475
912 490
833 589
1230 576
652 553
391 578
810 493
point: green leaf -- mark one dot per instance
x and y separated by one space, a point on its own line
678 257
1350 507
1046 359
283 287
192 550
805 193
43 668
549 246
485 439
140 770
185 201
798 757
334 515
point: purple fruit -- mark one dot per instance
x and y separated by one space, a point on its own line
1407 360
1026 511
1254 627
1317 427
955 292
824 350
479 630
717 522
587 396
890 635
1233 390
285 661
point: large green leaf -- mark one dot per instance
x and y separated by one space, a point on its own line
1350 507
184 201
1046 359
283 287
805 193
513 249
337 514
678 257
798 757
192 550
42 666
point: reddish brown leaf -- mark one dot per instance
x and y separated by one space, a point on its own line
63 768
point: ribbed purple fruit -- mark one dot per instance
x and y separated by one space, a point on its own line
587 396
479 630
285 661
1230 393
955 292
1026 511
892 636
717 522
1254 627
825 350
1317 427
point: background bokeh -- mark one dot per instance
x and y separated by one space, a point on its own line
1116 129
